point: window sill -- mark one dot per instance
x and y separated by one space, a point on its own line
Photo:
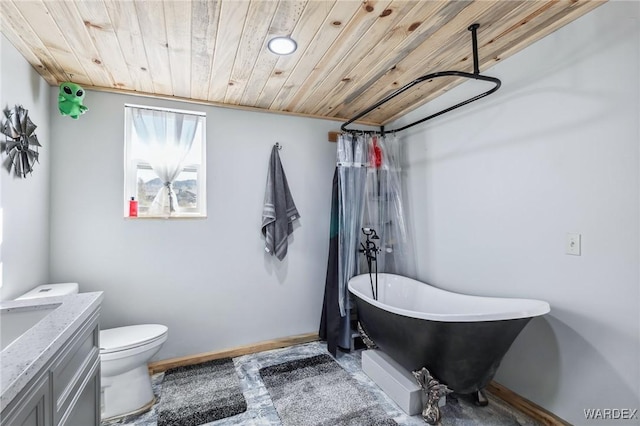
195 216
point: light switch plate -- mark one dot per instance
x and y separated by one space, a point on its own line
573 244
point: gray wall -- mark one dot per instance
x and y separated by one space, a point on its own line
24 202
209 280
494 188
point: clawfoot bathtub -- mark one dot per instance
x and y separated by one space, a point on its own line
459 338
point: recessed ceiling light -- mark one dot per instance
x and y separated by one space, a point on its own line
282 45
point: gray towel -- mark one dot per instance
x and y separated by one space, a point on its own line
279 210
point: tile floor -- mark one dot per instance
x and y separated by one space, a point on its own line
459 411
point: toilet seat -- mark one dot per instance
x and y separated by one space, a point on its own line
133 336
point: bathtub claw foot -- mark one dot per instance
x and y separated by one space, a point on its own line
434 390
365 338
480 399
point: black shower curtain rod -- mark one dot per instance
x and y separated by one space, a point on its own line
476 76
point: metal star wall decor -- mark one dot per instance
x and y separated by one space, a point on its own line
21 144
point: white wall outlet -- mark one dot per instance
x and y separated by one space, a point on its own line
573 244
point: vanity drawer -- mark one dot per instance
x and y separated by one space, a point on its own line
69 370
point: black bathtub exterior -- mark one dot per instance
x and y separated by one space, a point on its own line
463 355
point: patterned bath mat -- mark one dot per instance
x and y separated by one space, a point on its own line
199 394
316 391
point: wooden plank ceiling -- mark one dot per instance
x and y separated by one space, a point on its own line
350 53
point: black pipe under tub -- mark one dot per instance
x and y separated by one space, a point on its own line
460 339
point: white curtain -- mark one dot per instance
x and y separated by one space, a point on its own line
167 137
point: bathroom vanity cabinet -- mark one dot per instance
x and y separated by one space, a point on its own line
66 390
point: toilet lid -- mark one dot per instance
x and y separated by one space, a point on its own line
122 338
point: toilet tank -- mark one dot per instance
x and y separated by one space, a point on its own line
50 290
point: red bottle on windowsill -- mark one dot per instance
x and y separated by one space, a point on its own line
133 207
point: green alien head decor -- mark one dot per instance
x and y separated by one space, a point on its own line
21 144
70 100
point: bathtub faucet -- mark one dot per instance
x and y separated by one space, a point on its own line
369 248
371 251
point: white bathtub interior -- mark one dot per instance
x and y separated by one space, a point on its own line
406 296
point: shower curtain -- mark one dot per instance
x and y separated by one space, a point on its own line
384 210
367 193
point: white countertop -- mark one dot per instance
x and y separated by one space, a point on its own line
23 358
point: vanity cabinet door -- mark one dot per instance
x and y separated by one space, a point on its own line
75 378
86 409
34 409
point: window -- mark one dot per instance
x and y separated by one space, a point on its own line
165 159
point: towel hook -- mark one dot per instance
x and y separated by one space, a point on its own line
278 145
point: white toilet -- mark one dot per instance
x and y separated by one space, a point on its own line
124 354
125 380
